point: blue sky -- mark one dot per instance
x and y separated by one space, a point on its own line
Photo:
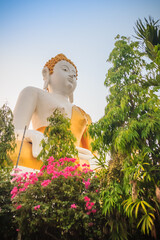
34 31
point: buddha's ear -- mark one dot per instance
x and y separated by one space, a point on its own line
45 73
71 98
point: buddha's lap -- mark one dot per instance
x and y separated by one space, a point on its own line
27 160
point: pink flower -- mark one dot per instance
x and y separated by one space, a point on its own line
87 183
73 206
22 189
54 177
13 179
87 204
97 190
26 184
88 213
13 196
17 230
86 170
40 173
89 207
45 183
51 159
18 179
94 211
43 168
90 224
17 169
86 199
14 190
61 160
85 165
18 207
37 207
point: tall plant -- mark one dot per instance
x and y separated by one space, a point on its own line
130 131
58 139
148 32
7 137
7 145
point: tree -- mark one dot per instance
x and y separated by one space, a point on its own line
130 102
7 137
59 140
149 34
7 145
130 131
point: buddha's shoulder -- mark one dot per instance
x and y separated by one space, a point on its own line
33 90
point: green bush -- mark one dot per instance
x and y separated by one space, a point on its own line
8 227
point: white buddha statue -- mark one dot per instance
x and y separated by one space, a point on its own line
36 105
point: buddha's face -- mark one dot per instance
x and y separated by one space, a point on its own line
63 79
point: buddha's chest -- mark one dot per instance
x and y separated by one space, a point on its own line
47 106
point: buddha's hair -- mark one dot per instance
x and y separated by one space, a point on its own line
52 62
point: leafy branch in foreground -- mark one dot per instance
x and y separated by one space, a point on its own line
7 137
147 216
58 139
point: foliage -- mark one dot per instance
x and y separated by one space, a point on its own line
8 228
130 132
7 137
132 112
112 208
60 201
149 34
56 135
147 216
7 145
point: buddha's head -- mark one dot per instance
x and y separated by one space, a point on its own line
60 74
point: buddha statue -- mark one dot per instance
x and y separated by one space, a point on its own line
36 105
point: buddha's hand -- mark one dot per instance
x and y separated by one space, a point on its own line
32 136
84 153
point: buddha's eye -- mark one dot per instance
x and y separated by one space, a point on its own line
64 69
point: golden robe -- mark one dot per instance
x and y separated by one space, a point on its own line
79 127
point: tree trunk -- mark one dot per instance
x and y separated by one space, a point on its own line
158 194
19 236
134 190
153 232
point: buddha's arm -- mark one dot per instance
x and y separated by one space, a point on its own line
32 136
24 109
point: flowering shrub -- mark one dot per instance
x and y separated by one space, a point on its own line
59 201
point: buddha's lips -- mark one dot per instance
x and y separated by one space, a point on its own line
70 80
